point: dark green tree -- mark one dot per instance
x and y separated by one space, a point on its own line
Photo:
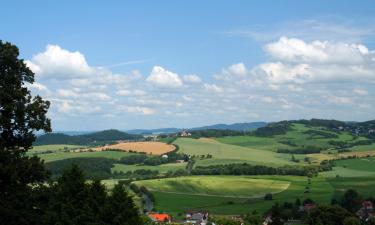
21 115
328 215
120 209
352 221
351 200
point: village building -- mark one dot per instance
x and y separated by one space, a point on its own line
185 133
197 217
160 217
366 211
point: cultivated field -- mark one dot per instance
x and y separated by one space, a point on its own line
219 186
67 155
163 168
225 153
193 193
154 148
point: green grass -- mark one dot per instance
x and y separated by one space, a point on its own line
296 135
67 155
54 148
263 143
363 147
364 185
225 153
345 172
163 168
320 191
362 164
240 186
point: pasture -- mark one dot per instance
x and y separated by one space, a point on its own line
52 148
154 148
299 135
67 155
228 192
220 186
225 153
163 168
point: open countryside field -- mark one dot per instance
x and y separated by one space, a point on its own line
195 198
53 148
225 186
154 148
298 135
225 153
163 168
67 155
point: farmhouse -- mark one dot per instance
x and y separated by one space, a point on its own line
366 211
197 217
185 133
160 217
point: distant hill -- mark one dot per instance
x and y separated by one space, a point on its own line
234 127
85 139
154 131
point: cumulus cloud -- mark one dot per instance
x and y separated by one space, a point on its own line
161 77
192 78
59 63
317 61
138 110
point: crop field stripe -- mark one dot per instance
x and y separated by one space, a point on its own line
221 196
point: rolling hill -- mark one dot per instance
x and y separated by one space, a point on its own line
86 139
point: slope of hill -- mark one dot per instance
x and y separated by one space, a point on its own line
86 139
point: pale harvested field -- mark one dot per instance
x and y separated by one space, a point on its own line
154 148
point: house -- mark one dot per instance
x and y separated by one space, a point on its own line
366 211
160 217
185 133
306 207
197 217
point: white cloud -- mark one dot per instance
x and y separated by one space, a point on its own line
298 51
138 110
212 88
192 78
161 77
360 91
339 100
38 86
283 73
238 69
59 63
136 92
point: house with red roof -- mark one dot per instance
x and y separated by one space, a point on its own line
160 217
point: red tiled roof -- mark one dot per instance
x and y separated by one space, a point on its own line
160 217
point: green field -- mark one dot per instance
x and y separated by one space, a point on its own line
67 155
225 153
193 194
163 168
54 148
226 186
296 136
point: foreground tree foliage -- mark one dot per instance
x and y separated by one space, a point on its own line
25 197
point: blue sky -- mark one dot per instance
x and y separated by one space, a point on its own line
148 64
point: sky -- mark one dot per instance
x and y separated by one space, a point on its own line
157 64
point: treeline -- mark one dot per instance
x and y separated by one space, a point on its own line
301 150
316 134
93 168
346 144
96 138
273 129
214 133
248 169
